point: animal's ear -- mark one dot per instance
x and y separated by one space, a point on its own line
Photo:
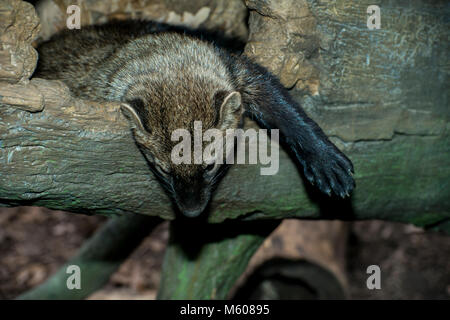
231 110
133 112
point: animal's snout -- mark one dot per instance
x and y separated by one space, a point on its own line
191 199
192 212
192 206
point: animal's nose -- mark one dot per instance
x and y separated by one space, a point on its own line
191 198
192 212
192 204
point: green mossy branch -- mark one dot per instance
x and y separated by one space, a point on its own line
204 261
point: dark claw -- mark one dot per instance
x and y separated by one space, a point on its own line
331 171
308 175
334 183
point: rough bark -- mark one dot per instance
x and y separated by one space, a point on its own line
19 26
226 16
81 157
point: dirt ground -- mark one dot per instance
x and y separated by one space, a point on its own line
35 242
415 264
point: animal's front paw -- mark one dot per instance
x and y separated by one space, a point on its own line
330 170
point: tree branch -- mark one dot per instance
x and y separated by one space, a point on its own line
81 157
205 265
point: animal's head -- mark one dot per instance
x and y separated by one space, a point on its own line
154 119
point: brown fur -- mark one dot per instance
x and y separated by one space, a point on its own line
170 80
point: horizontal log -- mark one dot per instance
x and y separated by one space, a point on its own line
81 157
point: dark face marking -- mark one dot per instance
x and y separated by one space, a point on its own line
190 185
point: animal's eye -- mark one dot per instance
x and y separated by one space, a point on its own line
210 167
164 170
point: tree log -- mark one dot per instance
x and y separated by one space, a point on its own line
81 157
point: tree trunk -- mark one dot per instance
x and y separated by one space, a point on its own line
204 261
